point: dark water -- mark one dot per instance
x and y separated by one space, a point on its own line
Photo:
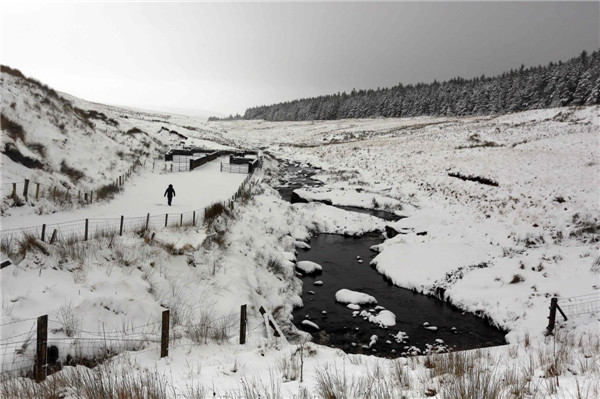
341 269
337 254
296 176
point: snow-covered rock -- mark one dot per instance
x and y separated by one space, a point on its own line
308 267
348 296
310 324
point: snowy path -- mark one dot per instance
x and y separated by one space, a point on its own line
144 194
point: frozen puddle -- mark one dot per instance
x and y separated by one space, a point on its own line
423 323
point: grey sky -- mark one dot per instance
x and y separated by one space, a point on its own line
225 57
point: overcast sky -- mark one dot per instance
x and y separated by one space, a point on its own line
225 57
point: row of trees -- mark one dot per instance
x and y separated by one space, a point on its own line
575 82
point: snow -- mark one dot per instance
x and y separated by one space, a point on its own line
353 297
384 318
310 324
309 267
349 197
538 223
144 194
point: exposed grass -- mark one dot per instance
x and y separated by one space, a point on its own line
134 130
11 128
289 366
276 266
30 243
586 228
477 179
100 382
38 147
74 174
11 151
212 212
205 327
107 191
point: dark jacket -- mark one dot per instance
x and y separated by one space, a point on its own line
170 192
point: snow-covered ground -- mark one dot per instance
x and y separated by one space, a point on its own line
500 251
144 193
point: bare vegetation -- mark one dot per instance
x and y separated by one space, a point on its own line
12 129
74 174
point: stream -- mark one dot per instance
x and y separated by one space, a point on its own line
424 324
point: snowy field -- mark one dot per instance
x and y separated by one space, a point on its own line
144 193
498 250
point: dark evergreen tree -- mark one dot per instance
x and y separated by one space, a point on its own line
575 82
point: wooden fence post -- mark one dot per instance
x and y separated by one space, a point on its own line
43 232
181 220
121 227
243 321
166 219
91 196
53 238
85 197
164 335
194 219
26 188
147 221
14 191
40 353
263 312
37 191
552 316
85 237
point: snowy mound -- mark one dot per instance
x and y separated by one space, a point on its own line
348 296
308 267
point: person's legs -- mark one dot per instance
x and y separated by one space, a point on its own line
170 199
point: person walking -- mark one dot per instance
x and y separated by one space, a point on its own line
170 193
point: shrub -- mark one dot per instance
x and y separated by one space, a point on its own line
276 266
67 317
133 130
586 228
517 278
14 130
74 174
107 191
212 212
596 265
39 148
207 328
11 151
30 243
12 71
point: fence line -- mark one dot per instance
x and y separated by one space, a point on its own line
234 168
32 190
87 229
572 306
20 358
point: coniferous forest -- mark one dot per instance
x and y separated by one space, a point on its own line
574 82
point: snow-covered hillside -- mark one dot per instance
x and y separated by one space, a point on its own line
506 209
58 140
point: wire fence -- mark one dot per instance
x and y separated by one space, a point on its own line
70 345
79 346
581 304
30 190
235 168
87 229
